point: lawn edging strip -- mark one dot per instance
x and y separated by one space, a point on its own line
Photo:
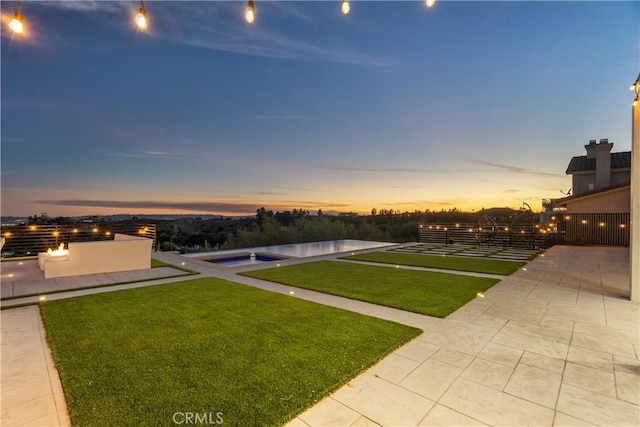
448 262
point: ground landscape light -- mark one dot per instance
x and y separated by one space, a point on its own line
430 3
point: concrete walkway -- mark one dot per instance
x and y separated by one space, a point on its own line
555 344
31 391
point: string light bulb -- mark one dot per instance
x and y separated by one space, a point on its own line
250 13
346 7
141 17
17 23
430 3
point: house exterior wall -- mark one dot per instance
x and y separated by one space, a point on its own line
620 177
611 202
581 183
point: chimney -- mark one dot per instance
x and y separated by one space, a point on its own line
602 154
591 149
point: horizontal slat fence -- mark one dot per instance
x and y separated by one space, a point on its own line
571 229
611 229
28 240
513 236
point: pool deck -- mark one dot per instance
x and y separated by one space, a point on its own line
555 344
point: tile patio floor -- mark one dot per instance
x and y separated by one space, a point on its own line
555 344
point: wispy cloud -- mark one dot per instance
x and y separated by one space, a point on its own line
421 204
275 117
315 190
156 154
511 191
196 206
187 206
89 5
374 169
215 26
515 169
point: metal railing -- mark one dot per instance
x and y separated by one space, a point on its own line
611 229
514 236
28 240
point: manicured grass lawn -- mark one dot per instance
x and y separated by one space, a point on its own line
476 265
138 356
425 292
157 263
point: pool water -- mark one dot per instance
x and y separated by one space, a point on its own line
235 261
297 250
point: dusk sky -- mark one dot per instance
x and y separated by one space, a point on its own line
393 106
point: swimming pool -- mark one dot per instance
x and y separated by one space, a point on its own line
235 261
296 250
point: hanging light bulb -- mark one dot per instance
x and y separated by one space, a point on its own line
250 13
16 24
430 3
141 17
345 7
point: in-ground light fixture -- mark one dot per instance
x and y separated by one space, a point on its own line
430 3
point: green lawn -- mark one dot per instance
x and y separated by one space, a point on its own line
425 292
157 263
449 262
204 346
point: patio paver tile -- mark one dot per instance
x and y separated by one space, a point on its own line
365 422
443 416
431 379
552 364
296 422
590 379
566 325
487 373
628 387
452 357
456 339
383 402
28 411
493 407
597 408
394 368
513 336
535 385
564 420
328 413
501 354
591 358
604 344
417 350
